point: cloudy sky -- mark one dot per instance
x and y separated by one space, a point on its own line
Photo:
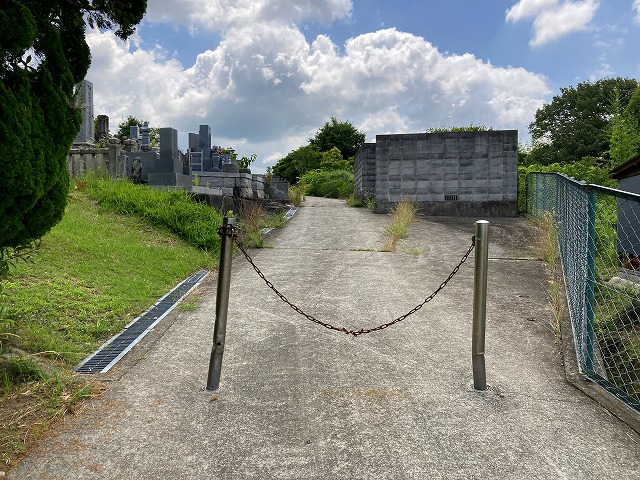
266 74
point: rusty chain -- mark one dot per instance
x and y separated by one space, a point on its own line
231 231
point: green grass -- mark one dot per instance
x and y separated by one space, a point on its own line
174 210
296 195
253 219
93 273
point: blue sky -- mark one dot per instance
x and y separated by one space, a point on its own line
266 74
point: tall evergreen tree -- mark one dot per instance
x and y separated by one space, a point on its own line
43 55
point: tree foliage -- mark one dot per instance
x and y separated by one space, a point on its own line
43 55
576 123
625 131
342 135
332 148
332 160
297 163
124 130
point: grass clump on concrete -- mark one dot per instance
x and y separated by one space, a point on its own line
253 218
401 217
296 195
547 250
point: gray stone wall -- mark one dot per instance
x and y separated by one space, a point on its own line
453 173
279 188
364 169
83 159
225 184
257 185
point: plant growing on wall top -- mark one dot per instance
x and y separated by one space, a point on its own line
245 162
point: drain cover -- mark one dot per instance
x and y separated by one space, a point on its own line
116 348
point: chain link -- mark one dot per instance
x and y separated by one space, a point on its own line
344 330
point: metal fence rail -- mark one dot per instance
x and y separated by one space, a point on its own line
598 232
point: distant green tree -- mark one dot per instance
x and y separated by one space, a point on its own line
575 124
342 135
297 163
124 130
332 160
625 131
43 55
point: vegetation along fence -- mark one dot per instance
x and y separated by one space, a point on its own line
598 230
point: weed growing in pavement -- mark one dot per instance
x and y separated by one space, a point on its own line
296 195
401 217
253 219
354 202
547 250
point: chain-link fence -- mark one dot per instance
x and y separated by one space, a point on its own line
598 232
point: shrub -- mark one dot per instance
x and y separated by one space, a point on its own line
588 169
331 184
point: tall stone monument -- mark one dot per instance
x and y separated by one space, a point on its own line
84 101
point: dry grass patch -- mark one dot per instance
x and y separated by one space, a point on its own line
402 216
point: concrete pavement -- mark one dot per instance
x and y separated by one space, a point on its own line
300 401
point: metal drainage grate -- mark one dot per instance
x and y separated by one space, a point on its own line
116 348
449 198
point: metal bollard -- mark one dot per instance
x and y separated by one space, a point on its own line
222 303
480 304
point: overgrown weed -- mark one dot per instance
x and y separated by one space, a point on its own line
547 250
402 216
296 195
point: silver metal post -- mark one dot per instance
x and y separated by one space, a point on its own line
222 303
480 304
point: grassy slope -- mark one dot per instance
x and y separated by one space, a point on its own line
95 271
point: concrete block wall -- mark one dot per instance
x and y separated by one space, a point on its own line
364 169
453 173
225 184
257 185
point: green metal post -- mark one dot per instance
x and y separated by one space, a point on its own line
590 293
222 303
480 305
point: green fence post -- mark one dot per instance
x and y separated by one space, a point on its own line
591 273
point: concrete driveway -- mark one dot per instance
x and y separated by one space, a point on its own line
300 401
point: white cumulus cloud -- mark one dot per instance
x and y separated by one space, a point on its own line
223 14
636 7
553 19
265 89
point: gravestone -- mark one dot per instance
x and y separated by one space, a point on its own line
84 101
102 130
